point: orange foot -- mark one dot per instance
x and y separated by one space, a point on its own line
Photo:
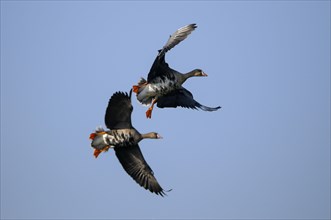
92 136
97 152
149 113
135 88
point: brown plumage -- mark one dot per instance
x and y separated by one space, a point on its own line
164 85
124 138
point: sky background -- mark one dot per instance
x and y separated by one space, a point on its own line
265 154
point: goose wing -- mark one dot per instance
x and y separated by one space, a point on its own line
135 165
178 36
160 67
183 98
118 113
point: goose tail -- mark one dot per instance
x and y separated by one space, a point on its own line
141 89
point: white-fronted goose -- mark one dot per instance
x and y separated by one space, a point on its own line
124 138
164 85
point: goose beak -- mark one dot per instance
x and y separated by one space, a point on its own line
159 136
204 74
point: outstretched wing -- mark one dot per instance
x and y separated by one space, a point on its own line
178 36
183 98
159 66
118 113
135 165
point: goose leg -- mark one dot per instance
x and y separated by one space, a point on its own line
136 88
97 152
150 109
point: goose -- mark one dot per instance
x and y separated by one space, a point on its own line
164 85
124 139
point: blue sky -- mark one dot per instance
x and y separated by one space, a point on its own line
265 154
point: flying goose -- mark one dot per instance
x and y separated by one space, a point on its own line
164 85
124 138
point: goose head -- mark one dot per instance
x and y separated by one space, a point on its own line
151 135
198 72
193 73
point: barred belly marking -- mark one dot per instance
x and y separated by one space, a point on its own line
122 137
164 87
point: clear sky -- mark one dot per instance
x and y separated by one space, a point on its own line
265 154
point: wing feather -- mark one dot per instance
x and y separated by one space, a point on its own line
118 112
183 98
160 67
135 165
178 36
